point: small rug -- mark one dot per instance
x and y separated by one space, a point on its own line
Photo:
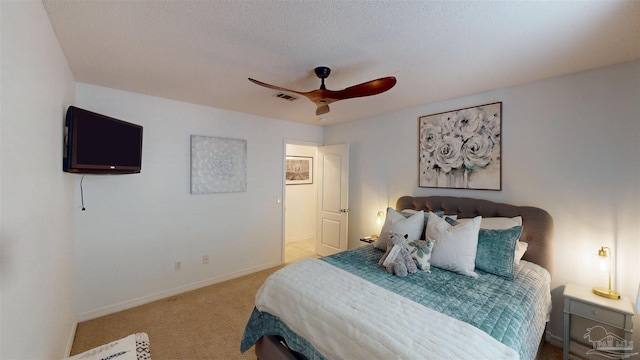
132 347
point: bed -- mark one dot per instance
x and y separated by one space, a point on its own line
340 306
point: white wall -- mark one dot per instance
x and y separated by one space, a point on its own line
301 201
136 226
37 293
569 145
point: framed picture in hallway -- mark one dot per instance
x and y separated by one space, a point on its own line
299 170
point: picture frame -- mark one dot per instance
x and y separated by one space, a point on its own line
218 165
299 170
461 149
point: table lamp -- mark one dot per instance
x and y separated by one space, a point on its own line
638 301
605 263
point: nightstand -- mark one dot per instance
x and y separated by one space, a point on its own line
581 301
369 239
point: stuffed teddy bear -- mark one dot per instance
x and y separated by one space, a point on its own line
397 259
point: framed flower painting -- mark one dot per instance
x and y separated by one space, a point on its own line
461 149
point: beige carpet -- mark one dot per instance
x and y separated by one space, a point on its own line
298 250
202 324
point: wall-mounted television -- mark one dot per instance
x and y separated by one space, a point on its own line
98 144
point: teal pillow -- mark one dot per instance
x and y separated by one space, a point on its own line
496 249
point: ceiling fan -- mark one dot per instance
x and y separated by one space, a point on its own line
323 97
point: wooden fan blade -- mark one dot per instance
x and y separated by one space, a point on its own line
322 109
274 87
368 88
323 97
317 96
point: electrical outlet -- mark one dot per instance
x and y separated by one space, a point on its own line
205 259
177 266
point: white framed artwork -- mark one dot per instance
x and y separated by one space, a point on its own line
218 165
461 149
299 170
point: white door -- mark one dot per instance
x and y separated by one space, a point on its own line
333 199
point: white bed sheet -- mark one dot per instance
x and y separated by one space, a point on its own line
349 325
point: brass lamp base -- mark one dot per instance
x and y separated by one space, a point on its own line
608 293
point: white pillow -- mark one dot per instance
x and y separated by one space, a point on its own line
521 248
455 246
397 223
411 211
497 223
500 223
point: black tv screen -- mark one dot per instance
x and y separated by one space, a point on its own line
98 144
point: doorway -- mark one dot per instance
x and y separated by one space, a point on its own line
301 208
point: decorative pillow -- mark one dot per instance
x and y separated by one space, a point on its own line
409 212
450 220
420 251
521 248
496 250
455 246
500 223
395 222
504 223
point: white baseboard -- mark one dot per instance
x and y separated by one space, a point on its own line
107 310
577 349
553 340
72 336
581 351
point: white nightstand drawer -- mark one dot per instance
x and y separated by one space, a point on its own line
597 313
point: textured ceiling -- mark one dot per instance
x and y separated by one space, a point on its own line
202 52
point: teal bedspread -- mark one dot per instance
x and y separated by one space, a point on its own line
513 312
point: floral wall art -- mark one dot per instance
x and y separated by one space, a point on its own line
218 165
461 149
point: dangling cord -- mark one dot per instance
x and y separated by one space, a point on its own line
82 193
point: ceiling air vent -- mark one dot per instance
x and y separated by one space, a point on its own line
285 96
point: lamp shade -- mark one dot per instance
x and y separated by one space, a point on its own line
604 257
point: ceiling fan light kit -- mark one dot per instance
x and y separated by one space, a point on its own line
323 97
